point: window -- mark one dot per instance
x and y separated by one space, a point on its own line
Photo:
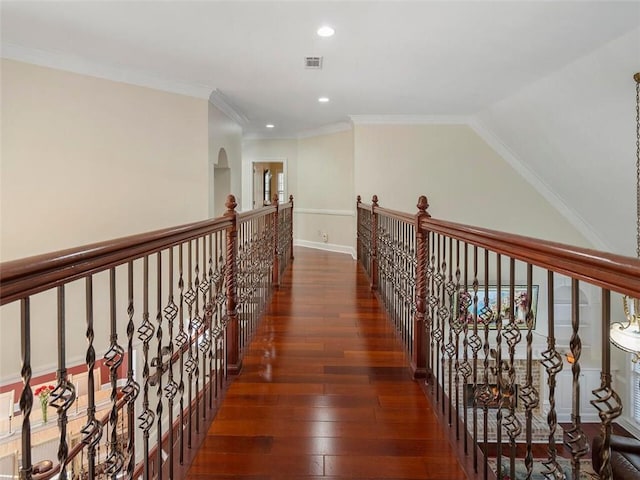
267 187
635 388
280 187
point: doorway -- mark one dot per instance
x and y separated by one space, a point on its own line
269 179
221 183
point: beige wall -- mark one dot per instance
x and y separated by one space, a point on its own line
224 133
465 180
86 159
320 177
285 150
326 199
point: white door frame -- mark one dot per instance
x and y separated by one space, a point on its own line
283 161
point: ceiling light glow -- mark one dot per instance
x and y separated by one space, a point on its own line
323 99
269 125
326 31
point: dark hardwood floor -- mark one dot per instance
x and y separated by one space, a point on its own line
325 391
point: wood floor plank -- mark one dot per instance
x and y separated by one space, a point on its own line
325 390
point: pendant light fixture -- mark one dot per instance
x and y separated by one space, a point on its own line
626 336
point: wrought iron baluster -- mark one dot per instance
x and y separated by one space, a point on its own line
606 400
92 430
181 341
205 341
171 389
475 343
26 397
211 313
113 360
189 298
450 347
437 331
159 364
197 326
552 362
145 334
465 302
529 393
456 326
483 393
132 388
575 437
512 336
64 393
498 364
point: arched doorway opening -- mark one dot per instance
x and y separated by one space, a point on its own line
221 183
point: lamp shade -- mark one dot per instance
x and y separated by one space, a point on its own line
626 336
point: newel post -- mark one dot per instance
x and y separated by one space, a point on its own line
291 226
276 238
374 243
420 343
231 273
358 227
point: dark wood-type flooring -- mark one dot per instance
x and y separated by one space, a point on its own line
325 391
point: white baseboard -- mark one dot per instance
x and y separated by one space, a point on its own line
328 247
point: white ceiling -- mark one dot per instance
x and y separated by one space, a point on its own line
411 58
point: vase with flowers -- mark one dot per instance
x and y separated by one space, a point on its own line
43 393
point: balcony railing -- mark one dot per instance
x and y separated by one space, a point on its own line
166 315
511 334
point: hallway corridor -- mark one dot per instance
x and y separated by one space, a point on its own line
325 391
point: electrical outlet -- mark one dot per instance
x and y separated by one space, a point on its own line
325 237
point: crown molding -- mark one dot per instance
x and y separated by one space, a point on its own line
326 130
538 184
76 64
266 136
226 106
409 119
315 132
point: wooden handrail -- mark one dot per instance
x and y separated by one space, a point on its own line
258 212
260 229
397 215
617 273
27 276
364 206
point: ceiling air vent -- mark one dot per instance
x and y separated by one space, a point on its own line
313 62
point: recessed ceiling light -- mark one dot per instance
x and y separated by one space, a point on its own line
270 125
326 31
323 99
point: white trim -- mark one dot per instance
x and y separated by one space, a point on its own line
326 130
83 66
539 185
321 211
267 136
629 426
409 119
313 132
226 106
283 161
328 247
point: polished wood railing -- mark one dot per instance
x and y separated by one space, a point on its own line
498 324
210 282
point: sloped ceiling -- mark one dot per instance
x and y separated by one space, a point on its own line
574 131
549 83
